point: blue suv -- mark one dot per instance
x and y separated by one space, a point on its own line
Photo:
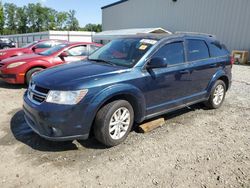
131 79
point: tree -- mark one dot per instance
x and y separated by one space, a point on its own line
1 18
61 20
93 27
72 23
22 19
10 12
36 18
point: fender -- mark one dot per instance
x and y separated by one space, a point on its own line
38 63
215 77
114 90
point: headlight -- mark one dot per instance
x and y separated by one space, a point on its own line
66 97
12 65
2 53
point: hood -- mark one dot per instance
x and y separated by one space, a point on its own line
76 75
25 58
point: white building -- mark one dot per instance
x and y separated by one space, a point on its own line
71 36
229 20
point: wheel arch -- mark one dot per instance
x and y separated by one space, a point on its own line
220 75
121 92
225 80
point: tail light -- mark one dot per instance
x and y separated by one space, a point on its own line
232 60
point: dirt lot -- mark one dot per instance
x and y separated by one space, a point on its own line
196 148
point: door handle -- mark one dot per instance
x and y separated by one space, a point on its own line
184 72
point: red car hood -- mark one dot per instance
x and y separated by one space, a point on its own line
25 58
13 50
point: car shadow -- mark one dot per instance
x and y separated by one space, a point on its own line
11 86
182 111
174 114
23 133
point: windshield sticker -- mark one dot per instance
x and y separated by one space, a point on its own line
143 47
148 41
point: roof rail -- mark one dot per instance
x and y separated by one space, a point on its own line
195 33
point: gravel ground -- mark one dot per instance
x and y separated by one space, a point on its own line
195 148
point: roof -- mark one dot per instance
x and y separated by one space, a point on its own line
113 4
112 34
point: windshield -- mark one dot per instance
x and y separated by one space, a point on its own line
123 52
53 50
29 44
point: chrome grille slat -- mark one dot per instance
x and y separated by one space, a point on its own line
35 96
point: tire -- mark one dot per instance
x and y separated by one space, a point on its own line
107 130
219 89
30 73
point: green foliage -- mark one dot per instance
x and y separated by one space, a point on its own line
1 18
93 27
36 18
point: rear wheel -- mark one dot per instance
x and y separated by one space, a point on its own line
30 73
113 122
217 95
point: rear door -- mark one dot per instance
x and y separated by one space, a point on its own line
203 67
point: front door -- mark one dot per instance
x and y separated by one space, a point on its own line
75 53
166 88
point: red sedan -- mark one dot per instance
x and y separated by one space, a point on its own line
19 70
34 47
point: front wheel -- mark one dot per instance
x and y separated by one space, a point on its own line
113 122
217 95
30 73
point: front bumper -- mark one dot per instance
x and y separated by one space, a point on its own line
57 122
11 78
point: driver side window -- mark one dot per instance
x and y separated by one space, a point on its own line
78 51
173 53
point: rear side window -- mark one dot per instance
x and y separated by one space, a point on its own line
173 53
217 50
197 50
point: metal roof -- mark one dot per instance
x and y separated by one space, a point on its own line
113 4
112 34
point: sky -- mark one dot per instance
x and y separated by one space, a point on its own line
87 11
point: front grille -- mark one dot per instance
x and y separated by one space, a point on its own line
37 94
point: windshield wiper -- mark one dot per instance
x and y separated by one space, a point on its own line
102 61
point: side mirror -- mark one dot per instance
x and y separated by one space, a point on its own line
157 62
63 55
34 48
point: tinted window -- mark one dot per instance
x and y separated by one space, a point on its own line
217 50
44 45
53 50
173 53
197 50
78 51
